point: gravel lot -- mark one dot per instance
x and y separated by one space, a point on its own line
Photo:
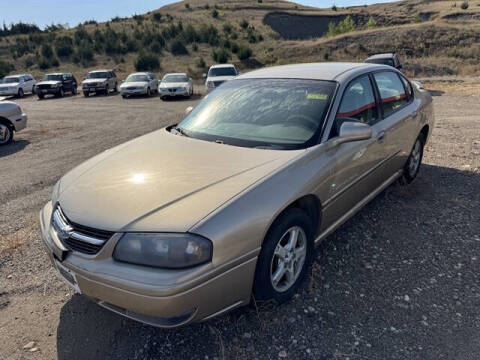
400 280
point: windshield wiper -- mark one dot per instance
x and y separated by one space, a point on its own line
180 131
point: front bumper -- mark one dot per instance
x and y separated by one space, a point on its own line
142 91
8 92
159 297
47 91
19 122
173 92
94 88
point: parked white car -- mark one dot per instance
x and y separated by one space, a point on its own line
141 83
17 85
218 74
100 81
176 84
12 119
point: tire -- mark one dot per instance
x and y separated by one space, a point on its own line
74 89
115 89
270 263
86 94
149 93
162 98
34 90
20 93
6 133
124 96
41 96
107 90
414 161
60 93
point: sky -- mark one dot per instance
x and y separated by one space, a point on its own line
72 12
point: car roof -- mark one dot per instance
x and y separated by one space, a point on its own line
381 56
184 74
221 66
58 73
101 70
140 73
10 76
315 71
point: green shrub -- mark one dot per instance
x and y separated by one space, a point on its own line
177 47
54 62
251 38
244 53
43 64
221 56
85 51
201 63
214 13
5 68
64 46
147 62
234 47
46 51
208 34
227 28
29 61
334 8
345 26
244 24
157 17
372 23
464 5
187 6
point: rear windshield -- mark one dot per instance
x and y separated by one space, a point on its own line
384 61
175 78
273 113
223 71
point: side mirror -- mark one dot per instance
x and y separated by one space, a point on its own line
204 75
418 84
188 110
352 131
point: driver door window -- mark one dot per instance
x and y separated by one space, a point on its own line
358 104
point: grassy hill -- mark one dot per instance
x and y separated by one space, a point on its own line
432 37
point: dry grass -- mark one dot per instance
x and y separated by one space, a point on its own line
16 239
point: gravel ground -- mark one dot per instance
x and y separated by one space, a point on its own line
400 280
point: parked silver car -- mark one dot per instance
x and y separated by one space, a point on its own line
100 81
185 223
218 74
12 119
17 85
176 84
141 83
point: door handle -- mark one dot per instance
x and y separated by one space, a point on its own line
381 136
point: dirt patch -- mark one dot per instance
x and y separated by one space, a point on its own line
461 16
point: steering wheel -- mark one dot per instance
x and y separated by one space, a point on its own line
304 120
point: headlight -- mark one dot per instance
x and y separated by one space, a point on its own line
55 85
210 84
163 250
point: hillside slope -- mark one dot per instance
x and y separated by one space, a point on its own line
432 37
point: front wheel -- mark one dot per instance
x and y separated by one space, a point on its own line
86 94
285 257
20 93
412 166
74 89
149 93
60 93
6 134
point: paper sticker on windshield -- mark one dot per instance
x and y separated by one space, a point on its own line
315 96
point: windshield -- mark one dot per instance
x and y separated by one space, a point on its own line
175 78
50 77
384 61
135 78
276 113
223 71
97 75
11 80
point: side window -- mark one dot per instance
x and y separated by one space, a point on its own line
408 87
392 92
358 102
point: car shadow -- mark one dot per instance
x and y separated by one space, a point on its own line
195 96
54 97
436 92
14 147
378 274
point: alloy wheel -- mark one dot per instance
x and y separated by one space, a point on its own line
5 134
415 157
288 259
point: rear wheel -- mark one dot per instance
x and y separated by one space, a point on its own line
412 166
115 89
20 93
285 257
6 133
41 96
74 89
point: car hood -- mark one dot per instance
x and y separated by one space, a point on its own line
161 182
173 84
48 82
220 78
133 83
9 85
88 81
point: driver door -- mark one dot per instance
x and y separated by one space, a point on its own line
357 164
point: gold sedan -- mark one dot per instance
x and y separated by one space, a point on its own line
185 223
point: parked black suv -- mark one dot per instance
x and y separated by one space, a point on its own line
57 84
391 59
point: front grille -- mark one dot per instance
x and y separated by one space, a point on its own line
44 86
77 237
